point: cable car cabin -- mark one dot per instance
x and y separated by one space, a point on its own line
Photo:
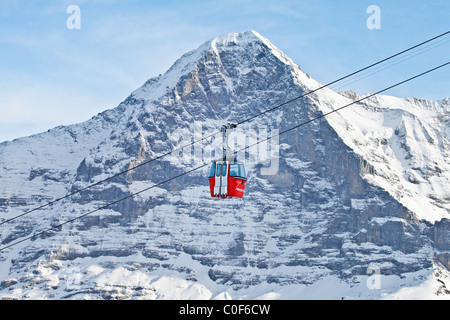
227 180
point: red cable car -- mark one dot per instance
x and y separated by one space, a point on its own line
227 180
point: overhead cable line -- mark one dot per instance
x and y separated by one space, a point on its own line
219 132
206 164
345 77
390 64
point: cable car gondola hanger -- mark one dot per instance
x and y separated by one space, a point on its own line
227 178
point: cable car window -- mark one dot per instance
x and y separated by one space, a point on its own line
218 169
242 171
234 170
224 169
212 172
237 170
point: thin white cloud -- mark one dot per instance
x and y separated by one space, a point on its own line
287 11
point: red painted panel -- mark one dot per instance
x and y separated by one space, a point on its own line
236 187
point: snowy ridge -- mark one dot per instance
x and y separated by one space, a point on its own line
361 191
405 142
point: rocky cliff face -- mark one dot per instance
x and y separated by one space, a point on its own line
333 200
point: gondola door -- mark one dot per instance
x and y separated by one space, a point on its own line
221 179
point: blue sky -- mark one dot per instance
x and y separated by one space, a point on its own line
52 75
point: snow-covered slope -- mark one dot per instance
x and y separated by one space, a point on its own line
406 144
361 191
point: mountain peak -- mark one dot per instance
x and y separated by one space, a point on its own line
244 52
237 38
246 38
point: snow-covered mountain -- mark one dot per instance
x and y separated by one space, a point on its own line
354 205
